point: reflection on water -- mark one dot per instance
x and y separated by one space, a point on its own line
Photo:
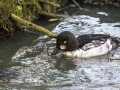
39 70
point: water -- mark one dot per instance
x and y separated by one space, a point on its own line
31 55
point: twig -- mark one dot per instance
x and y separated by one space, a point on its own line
77 4
50 3
63 8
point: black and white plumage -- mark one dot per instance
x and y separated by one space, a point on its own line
87 45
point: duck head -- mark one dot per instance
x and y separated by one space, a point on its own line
66 41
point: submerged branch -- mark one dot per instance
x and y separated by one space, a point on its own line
32 25
54 15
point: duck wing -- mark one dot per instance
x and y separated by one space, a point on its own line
88 38
93 44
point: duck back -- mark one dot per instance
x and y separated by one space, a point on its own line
87 38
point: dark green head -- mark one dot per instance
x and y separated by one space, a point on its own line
66 41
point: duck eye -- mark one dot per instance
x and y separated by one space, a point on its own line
65 42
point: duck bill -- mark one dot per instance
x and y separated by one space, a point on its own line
56 51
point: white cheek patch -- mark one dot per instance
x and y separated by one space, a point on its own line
62 47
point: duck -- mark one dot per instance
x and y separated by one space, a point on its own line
84 46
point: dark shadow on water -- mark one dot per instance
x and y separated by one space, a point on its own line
112 12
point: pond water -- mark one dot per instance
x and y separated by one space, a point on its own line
30 55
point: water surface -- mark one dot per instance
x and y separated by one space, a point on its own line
31 55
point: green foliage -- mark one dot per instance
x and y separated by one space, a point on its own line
26 9
23 8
